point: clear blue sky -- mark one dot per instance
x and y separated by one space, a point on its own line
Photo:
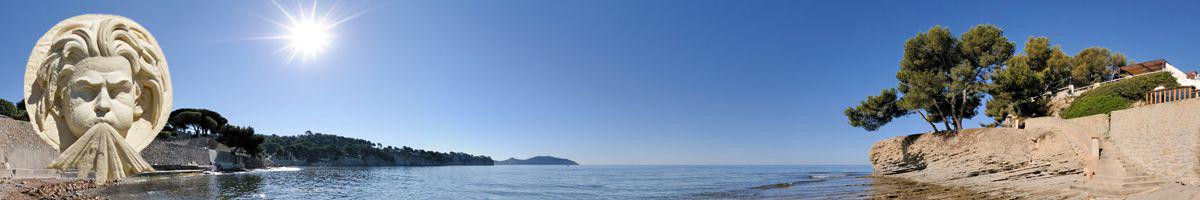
601 82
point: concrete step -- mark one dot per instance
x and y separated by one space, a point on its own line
1140 178
1143 184
1099 191
1118 186
1108 192
1131 166
32 173
1123 179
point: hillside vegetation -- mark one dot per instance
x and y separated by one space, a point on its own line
1117 95
326 149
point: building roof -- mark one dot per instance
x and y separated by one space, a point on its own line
1145 67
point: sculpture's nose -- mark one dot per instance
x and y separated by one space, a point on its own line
104 104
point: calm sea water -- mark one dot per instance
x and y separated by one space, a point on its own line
512 182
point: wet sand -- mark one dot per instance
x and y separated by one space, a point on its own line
898 188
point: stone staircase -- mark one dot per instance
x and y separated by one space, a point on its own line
1116 176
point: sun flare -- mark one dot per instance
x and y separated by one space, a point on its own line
308 38
307 31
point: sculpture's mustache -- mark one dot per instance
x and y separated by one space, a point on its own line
101 120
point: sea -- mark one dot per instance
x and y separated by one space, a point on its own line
513 182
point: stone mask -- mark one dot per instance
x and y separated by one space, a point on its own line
98 90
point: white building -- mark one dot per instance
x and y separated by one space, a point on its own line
1184 79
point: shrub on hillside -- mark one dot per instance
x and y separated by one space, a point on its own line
1117 95
13 111
1133 89
1092 105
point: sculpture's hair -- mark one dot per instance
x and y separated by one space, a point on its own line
86 36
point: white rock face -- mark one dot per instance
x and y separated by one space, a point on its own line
98 90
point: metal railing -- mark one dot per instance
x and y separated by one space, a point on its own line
1074 91
1170 94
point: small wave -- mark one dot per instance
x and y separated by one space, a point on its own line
279 169
785 185
825 176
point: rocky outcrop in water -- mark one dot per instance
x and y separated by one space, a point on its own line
537 160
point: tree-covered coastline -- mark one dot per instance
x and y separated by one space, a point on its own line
308 148
327 149
304 150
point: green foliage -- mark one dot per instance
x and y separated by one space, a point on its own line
946 76
165 134
1134 88
1103 99
16 111
876 111
21 113
1095 64
1092 105
196 121
1025 85
241 138
1015 90
314 147
9 109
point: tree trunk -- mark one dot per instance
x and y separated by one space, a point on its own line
958 124
958 117
946 122
235 157
935 129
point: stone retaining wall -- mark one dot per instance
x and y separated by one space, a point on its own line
23 154
1097 125
1165 138
171 154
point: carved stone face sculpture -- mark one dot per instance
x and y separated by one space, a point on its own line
98 90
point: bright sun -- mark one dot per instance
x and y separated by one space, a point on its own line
308 38
307 31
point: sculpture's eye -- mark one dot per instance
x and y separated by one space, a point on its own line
120 89
84 91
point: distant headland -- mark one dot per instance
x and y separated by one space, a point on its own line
537 160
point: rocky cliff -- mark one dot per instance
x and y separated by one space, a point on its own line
996 161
